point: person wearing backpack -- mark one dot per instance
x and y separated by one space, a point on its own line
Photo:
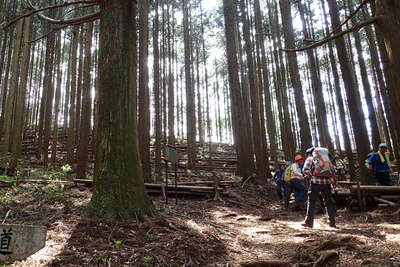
379 164
288 190
321 174
295 183
278 179
298 183
340 167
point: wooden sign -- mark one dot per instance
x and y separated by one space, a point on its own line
17 242
172 154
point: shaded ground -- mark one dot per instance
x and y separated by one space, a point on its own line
250 226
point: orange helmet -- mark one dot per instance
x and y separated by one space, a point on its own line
298 158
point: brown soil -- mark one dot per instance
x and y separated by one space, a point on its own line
249 228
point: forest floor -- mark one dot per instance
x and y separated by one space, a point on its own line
248 228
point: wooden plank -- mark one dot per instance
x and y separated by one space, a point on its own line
386 190
222 183
395 198
152 186
346 183
384 201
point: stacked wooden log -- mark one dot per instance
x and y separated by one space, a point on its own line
366 196
383 196
203 188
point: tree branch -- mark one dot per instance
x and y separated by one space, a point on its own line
349 17
60 28
34 11
80 7
92 16
327 39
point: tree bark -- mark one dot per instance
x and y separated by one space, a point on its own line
144 95
316 85
21 98
72 107
376 139
11 95
119 190
302 117
353 96
388 26
254 96
58 71
85 127
190 97
244 157
157 94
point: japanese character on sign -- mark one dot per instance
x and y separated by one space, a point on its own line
5 242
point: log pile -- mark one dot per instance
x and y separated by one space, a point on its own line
180 189
368 196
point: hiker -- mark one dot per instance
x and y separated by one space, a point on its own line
295 183
321 173
379 164
278 179
340 167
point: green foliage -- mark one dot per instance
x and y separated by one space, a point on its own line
104 260
166 211
7 179
148 259
7 195
146 235
67 169
56 173
116 243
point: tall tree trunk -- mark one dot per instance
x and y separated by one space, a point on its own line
376 65
199 104
72 107
353 96
67 92
118 181
5 82
157 94
171 93
208 120
144 95
376 139
271 129
287 136
58 71
86 105
78 103
316 85
9 113
340 100
190 97
389 10
2 59
288 34
18 128
254 94
48 86
245 162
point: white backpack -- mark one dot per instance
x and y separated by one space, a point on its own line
322 163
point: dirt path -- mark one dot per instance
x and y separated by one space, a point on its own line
250 226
